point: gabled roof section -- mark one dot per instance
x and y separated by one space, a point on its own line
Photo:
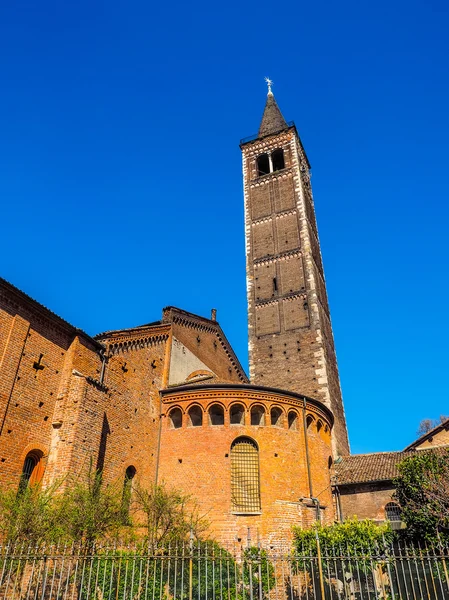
171 314
374 467
272 119
429 435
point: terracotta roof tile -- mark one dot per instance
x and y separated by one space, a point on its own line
378 466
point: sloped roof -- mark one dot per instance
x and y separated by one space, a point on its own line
378 466
272 119
429 434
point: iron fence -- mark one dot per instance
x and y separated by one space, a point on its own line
205 571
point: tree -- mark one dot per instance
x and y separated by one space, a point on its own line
422 490
28 515
169 515
427 425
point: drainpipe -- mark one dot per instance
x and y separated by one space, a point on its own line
103 364
159 436
315 501
306 443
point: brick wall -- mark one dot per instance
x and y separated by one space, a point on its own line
197 460
290 335
366 501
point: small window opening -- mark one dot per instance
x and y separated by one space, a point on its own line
292 420
237 414
216 415
195 416
319 426
276 417
32 471
393 512
309 421
277 159
175 418
263 165
257 416
275 284
127 491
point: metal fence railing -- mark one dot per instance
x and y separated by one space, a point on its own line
205 571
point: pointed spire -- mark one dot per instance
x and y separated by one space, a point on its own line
272 120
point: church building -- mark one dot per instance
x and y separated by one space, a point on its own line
168 401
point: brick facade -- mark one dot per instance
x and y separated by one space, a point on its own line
290 333
125 398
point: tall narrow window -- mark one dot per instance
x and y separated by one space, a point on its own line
263 165
276 416
257 415
277 158
127 491
195 416
292 420
175 418
237 414
33 469
216 415
245 478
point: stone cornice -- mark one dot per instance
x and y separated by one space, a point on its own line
135 339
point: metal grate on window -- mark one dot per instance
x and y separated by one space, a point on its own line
393 512
245 480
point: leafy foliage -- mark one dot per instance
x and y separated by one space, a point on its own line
169 515
28 515
354 537
422 490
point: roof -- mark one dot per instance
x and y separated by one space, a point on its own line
429 434
272 119
364 468
45 312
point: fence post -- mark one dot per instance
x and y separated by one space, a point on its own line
320 565
191 565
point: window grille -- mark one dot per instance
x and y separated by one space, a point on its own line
245 479
393 512
33 469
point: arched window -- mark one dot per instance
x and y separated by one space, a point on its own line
276 416
393 512
216 415
319 425
195 416
237 414
127 491
245 478
33 469
309 421
263 165
292 420
277 159
175 418
257 415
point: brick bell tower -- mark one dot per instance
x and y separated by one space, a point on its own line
291 344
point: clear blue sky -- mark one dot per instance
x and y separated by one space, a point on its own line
120 173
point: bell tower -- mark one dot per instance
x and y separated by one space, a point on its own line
291 344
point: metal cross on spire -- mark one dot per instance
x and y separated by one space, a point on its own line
269 83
